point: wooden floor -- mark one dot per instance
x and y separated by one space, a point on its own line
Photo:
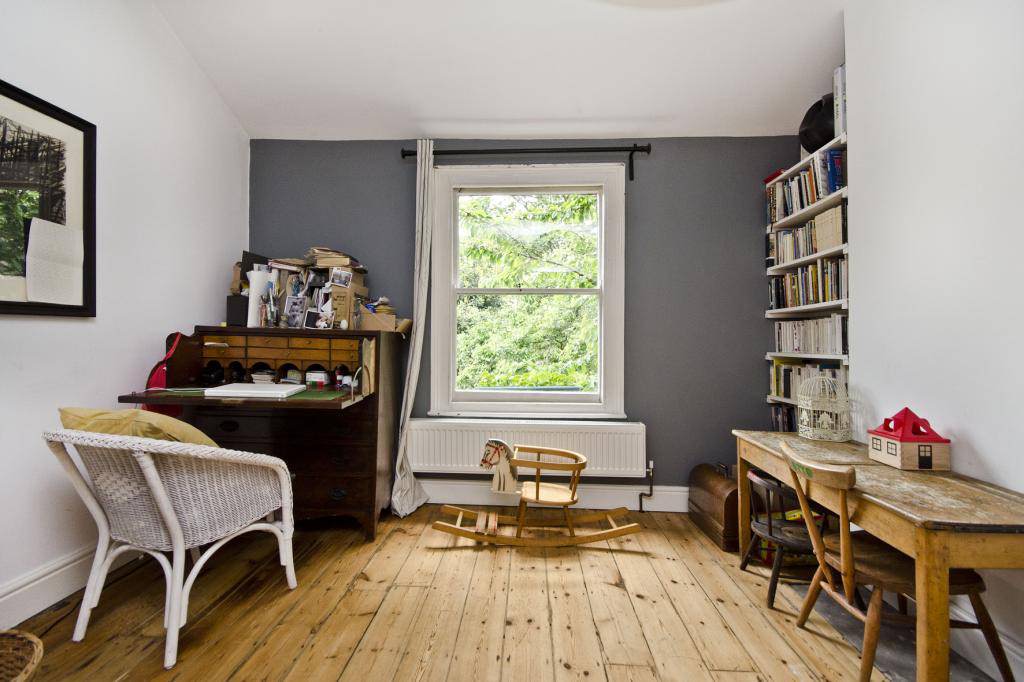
418 604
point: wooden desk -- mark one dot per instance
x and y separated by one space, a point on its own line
942 519
339 447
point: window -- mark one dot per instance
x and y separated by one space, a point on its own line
527 291
876 444
890 447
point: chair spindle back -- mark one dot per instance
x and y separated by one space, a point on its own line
838 478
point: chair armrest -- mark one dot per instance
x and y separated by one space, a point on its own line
165 447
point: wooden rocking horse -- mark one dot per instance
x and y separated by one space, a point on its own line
506 462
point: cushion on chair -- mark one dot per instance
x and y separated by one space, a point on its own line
140 423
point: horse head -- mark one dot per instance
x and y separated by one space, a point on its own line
494 449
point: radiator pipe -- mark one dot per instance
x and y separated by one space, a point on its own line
650 483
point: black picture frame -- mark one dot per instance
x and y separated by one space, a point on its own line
88 306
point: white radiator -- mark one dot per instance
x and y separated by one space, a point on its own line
454 446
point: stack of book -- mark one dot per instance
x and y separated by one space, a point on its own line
821 335
323 257
825 231
787 375
825 175
820 282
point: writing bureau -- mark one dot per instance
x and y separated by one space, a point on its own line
339 446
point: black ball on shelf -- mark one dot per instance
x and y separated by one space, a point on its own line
818 126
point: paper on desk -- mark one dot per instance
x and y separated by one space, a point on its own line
53 263
12 288
258 280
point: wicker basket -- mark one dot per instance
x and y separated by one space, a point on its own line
20 653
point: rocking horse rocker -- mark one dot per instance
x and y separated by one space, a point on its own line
499 456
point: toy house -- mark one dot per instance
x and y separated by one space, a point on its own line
907 441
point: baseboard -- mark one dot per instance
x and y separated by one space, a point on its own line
669 498
36 590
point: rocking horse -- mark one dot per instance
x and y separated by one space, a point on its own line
506 463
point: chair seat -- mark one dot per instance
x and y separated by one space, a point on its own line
791 534
878 563
553 494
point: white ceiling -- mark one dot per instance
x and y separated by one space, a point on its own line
391 69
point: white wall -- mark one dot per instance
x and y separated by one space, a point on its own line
936 103
172 215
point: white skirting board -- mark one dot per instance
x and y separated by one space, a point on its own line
669 498
36 590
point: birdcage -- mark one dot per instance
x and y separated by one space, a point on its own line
823 409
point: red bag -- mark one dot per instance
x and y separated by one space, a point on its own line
158 379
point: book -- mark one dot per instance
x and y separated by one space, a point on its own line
788 374
823 281
839 99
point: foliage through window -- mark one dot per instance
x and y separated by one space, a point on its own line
510 340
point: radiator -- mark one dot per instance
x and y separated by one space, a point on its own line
454 446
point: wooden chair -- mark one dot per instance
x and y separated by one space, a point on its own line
861 559
770 525
549 494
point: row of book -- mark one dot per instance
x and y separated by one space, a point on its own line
820 335
825 174
788 374
820 282
825 231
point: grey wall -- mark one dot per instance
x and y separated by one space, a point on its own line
695 286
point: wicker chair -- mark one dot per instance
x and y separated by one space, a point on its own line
156 496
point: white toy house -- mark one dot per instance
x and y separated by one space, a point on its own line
907 441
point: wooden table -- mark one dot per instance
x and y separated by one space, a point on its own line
942 519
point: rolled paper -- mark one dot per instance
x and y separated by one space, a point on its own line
258 281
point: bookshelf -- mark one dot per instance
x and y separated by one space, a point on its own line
807 258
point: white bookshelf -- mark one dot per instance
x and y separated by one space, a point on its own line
813 310
805 214
809 310
840 250
845 359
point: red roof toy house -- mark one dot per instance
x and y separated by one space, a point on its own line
907 441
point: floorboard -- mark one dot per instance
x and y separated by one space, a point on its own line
417 604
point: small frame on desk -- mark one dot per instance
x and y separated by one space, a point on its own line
48 219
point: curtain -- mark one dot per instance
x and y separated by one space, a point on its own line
408 494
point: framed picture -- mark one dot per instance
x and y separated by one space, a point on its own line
47 208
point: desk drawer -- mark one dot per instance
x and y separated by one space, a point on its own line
344 344
303 342
267 342
230 340
227 426
344 459
333 492
215 352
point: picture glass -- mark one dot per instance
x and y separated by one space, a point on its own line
42 212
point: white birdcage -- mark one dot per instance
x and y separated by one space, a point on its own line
823 410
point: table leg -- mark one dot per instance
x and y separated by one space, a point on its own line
932 594
743 496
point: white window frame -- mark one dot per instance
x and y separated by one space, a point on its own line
608 179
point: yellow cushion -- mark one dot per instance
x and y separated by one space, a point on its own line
141 423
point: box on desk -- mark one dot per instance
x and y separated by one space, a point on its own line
371 320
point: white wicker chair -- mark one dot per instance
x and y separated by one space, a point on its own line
157 496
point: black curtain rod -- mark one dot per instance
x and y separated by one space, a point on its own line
631 150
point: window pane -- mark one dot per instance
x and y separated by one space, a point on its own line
528 240
512 342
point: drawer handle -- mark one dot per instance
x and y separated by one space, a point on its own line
229 425
338 494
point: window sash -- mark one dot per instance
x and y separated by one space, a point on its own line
606 180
